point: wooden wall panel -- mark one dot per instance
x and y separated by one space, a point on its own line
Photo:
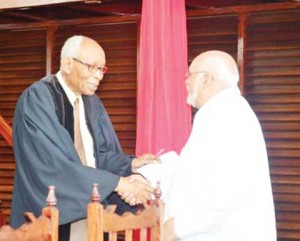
272 87
118 88
212 33
22 62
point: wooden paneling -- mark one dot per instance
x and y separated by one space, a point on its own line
22 61
214 32
273 89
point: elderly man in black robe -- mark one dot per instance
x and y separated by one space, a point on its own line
44 144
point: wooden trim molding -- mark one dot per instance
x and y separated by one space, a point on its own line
72 22
6 4
50 49
241 49
244 9
6 131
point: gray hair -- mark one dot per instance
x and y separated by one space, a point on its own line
71 47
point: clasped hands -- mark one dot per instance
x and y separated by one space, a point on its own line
135 189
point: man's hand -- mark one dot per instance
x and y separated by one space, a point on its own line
169 231
143 160
134 189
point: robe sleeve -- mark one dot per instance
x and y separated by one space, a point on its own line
109 152
45 155
117 163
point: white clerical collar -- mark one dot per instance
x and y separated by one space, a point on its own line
70 94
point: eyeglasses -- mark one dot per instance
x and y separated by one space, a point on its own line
92 68
189 74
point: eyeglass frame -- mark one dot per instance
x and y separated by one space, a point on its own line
91 67
189 74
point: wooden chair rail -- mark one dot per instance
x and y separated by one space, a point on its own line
6 131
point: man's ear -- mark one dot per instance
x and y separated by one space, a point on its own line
66 65
207 79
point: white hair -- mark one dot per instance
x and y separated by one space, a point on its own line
229 75
221 65
71 47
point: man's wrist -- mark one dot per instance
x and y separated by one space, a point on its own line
120 185
133 164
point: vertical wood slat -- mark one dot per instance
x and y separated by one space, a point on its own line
143 234
50 49
113 236
128 235
241 46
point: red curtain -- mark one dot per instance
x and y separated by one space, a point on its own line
163 117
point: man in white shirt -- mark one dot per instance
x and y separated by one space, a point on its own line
222 191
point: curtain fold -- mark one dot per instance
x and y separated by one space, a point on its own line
163 116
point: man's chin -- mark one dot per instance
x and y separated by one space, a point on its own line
191 101
89 92
91 89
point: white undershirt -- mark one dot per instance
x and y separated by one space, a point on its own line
79 229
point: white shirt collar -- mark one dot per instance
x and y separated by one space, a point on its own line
70 94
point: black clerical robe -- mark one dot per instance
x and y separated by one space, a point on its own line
45 154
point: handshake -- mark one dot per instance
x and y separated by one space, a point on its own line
135 189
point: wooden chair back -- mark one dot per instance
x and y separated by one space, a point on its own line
102 221
44 228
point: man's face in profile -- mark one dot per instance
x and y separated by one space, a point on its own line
193 83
